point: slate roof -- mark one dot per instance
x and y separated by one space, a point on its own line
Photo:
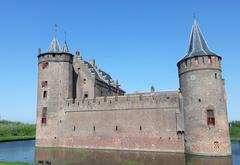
54 46
65 48
197 44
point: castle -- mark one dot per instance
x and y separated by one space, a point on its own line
81 106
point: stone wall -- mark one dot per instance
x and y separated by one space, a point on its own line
145 122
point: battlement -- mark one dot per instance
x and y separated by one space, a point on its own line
55 57
199 62
140 101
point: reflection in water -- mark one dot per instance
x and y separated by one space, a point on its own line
55 156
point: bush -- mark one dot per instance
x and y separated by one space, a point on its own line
8 128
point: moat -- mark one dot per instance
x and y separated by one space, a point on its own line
24 151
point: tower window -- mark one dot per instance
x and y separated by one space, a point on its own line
116 128
44 65
84 81
44 116
44 94
94 128
216 76
210 118
86 94
44 84
140 128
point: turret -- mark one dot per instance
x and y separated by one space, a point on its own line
204 99
54 86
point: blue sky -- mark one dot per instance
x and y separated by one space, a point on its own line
138 42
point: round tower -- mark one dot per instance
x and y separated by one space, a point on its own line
204 99
54 86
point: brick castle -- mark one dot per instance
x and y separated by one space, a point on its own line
81 106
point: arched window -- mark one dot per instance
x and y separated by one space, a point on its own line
210 118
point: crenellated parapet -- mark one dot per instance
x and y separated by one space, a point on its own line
164 100
55 57
199 63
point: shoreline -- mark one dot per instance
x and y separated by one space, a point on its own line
16 138
14 163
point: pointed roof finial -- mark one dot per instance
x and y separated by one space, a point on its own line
65 47
55 29
194 16
54 46
65 36
197 44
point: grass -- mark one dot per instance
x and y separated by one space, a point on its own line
234 127
235 132
8 163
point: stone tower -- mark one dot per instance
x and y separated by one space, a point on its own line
204 99
54 86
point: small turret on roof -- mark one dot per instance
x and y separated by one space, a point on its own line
197 45
54 46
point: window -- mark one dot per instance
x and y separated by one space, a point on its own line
216 76
44 65
84 81
44 84
85 94
44 94
140 128
94 128
44 116
210 118
116 128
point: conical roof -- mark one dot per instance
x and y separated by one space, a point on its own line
65 48
197 45
55 46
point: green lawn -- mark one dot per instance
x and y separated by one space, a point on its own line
235 132
7 163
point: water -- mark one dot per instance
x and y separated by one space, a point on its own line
24 151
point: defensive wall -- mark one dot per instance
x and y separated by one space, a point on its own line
142 122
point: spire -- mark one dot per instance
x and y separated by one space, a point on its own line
197 45
65 47
55 46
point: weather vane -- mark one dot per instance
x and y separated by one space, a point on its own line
55 28
65 34
194 15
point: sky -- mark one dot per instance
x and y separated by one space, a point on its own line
138 42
